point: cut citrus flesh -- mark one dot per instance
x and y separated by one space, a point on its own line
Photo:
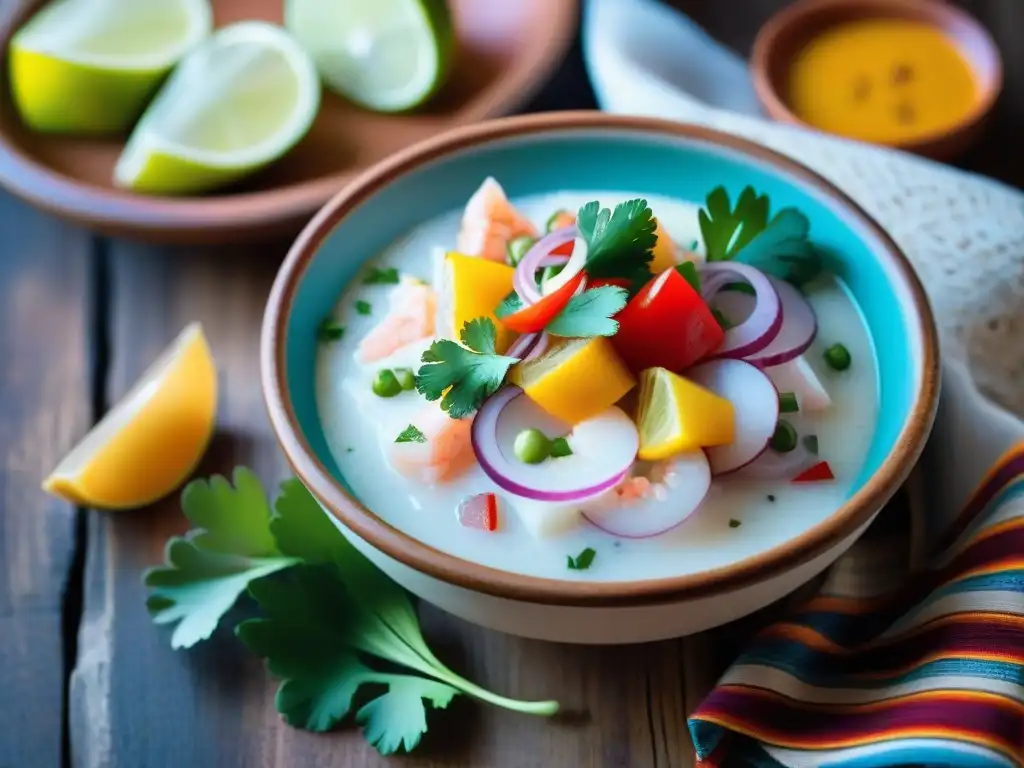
576 379
385 55
152 439
473 288
240 100
90 66
675 415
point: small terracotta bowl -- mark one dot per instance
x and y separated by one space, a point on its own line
788 31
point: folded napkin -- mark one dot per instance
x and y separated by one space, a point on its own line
912 653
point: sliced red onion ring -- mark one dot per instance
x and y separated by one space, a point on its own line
799 327
604 449
758 330
687 480
755 403
772 465
524 280
521 347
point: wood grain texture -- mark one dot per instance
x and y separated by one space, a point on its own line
44 407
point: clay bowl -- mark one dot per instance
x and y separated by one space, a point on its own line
787 32
506 52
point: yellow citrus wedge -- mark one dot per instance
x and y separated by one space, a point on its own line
676 415
472 288
575 379
665 252
151 440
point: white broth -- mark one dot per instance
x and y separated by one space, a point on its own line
738 517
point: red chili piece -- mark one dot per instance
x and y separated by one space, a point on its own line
819 472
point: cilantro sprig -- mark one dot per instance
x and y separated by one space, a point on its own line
620 243
463 376
590 313
344 639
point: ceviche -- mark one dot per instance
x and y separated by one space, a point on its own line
556 386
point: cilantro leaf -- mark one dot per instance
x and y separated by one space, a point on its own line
509 306
469 376
330 330
364 307
381 276
411 434
590 313
402 704
785 235
726 230
689 272
619 243
207 570
302 530
582 561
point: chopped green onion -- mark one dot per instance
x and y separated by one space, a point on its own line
532 446
734 523
746 288
838 357
582 561
381 276
560 447
406 378
784 439
721 319
385 383
364 307
689 271
811 444
517 248
330 330
788 403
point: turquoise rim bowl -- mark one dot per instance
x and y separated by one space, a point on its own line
585 151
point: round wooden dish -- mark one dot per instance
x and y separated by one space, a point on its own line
506 52
791 29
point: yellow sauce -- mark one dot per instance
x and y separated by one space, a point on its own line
886 81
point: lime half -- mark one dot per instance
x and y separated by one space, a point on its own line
90 66
237 102
385 55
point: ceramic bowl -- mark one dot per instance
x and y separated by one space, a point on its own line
587 151
788 31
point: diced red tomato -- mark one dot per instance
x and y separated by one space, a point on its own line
816 474
667 325
480 512
535 317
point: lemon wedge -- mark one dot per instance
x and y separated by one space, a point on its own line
473 287
238 101
675 415
575 379
90 66
151 440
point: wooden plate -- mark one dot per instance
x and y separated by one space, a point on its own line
507 50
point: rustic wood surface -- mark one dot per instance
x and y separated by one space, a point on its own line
87 681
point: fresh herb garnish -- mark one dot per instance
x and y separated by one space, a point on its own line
364 307
721 319
411 434
582 561
590 313
689 271
381 276
560 447
734 523
619 243
330 330
788 402
738 287
330 618
771 498
509 306
810 444
468 375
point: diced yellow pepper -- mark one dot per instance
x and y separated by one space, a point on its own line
575 379
473 287
676 415
666 254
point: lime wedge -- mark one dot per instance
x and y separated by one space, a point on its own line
675 415
90 66
237 102
385 55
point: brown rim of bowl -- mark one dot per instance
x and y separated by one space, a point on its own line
761 57
448 568
120 211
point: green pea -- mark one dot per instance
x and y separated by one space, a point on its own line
532 446
517 248
838 357
406 378
385 383
785 437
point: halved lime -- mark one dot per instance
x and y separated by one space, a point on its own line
385 55
90 66
239 101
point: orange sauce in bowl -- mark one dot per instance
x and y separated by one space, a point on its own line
886 81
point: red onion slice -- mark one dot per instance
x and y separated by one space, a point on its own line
538 349
757 331
524 280
521 347
755 403
799 327
604 449
686 481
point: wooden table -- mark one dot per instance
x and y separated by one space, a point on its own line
86 679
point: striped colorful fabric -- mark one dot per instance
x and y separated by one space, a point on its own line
864 676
